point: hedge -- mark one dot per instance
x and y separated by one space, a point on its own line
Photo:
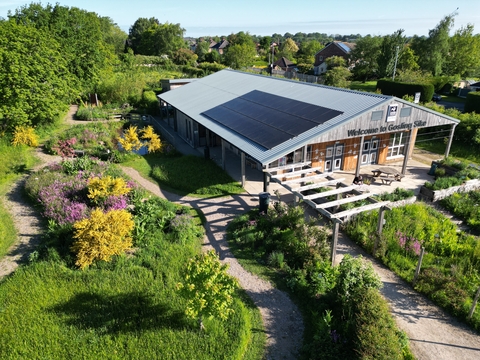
394 88
472 104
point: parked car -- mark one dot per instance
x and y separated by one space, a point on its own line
436 97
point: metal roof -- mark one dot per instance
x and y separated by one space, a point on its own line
214 90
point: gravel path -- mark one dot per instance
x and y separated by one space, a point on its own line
434 334
282 320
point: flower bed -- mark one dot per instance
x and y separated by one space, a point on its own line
449 274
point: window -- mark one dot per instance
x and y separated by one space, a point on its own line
339 150
405 112
309 153
329 152
377 115
320 58
396 145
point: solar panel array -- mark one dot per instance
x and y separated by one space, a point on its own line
267 119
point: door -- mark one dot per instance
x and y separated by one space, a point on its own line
338 157
369 152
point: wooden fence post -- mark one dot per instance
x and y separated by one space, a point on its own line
472 310
419 265
336 225
379 229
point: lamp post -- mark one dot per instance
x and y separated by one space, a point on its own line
395 65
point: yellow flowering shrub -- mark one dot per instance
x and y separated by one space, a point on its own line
153 144
130 140
102 236
25 135
101 188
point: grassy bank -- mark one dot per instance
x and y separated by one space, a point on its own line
15 161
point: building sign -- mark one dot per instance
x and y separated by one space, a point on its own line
417 98
392 112
388 128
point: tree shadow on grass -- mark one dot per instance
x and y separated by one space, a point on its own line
130 312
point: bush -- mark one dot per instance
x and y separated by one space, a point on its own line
102 236
25 135
376 335
472 104
397 89
397 195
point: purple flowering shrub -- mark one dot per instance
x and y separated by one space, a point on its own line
409 244
62 190
64 201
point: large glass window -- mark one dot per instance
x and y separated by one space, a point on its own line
396 146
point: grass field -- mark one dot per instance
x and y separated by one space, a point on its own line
369 86
184 175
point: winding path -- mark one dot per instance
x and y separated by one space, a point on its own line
282 320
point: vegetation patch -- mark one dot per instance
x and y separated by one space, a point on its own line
294 253
124 303
466 206
451 260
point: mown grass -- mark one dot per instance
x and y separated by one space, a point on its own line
127 308
369 86
185 175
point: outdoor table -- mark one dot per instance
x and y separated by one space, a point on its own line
387 171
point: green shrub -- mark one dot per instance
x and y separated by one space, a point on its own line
396 195
398 89
472 104
376 335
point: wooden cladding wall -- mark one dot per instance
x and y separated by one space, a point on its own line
351 151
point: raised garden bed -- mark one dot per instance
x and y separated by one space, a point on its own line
435 195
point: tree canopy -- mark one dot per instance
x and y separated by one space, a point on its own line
34 76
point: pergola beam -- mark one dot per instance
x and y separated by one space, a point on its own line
331 192
343 201
359 210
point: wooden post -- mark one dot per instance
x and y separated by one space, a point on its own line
223 154
242 161
450 139
336 225
359 157
475 300
266 181
379 229
419 265
406 154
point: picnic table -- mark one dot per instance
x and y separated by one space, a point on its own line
391 174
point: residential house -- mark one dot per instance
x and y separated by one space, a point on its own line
284 64
334 48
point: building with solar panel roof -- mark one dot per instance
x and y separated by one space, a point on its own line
277 123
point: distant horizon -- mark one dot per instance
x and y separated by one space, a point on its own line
220 18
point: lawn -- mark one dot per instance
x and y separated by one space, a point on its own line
185 175
369 86
127 306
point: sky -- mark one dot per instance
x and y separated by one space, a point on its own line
224 17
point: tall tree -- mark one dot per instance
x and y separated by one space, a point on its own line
390 50
365 57
464 55
137 30
34 76
337 74
79 34
240 56
163 39
113 35
433 50
288 49
202 50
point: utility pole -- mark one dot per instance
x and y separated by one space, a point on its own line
395 66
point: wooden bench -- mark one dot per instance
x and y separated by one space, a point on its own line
399 177
386 180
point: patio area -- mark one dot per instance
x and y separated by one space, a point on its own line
416 175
